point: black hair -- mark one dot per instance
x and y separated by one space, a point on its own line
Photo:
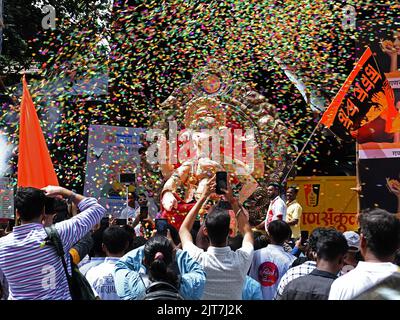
30 203
331 245
217 224
314 238
279 231
201 240
61 210
381 230
138 242
116 239
275 185
97 249
260 240
174 234
49 205
160 269
295 189
298 261
131 236
235 242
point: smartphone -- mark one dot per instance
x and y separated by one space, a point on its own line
162 226
222 182
144 212
127 178
304 237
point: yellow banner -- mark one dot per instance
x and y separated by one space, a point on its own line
327 202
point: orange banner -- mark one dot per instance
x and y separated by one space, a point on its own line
330 114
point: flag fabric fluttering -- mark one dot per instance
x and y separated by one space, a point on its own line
365 96
35 168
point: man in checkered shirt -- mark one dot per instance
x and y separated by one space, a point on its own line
304 268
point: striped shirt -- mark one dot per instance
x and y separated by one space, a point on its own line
34 271
294 273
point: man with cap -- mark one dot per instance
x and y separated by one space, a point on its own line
352 256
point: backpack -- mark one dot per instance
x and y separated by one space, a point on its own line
79 287
161 290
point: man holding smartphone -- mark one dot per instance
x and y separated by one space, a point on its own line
226 269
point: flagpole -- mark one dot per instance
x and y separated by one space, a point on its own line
358 189
301 151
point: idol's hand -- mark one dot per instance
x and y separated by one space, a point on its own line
169 201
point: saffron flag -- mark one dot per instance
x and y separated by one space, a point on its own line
35 168
365 95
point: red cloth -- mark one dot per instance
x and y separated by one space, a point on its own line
176 216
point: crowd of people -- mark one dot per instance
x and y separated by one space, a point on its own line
213 259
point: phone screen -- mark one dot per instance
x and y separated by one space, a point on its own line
222 183
127 178
161 226
304 237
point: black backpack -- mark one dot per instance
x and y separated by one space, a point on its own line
79 287
160 290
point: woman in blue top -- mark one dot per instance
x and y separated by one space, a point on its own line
135 271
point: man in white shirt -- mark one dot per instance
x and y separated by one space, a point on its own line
271 263
101 277
277 207
379 240
225 269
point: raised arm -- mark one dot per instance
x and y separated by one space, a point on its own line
187 225
72 230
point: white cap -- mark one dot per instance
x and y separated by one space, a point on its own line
353 240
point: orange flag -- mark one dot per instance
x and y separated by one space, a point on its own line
35 168
365 96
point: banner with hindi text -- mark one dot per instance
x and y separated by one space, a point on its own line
327 202
365 95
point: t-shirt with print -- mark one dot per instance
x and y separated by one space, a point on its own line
268 267
101 279
225 269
